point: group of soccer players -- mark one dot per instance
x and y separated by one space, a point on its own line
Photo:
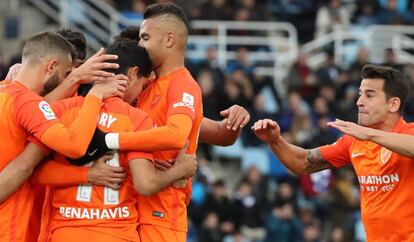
114 162
141 190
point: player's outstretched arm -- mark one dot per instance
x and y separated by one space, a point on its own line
171 136
148 180
19 169
92 70
296 159
399 143
73 141
226 131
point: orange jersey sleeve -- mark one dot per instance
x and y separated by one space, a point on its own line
74 140
145 124
338 153
51 173
171 136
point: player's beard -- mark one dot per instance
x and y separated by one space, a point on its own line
50 84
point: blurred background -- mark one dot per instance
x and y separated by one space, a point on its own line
294 61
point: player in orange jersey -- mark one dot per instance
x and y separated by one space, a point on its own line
173 100
93 69
380 148
47 58
222 133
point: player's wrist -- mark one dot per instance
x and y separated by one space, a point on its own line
95 93
112 141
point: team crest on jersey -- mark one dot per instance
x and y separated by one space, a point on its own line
46 110
385 155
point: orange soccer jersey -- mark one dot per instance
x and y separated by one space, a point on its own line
100 210
26 113
386 180
175 93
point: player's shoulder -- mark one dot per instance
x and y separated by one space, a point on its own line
120 107
347 140
184 80
408 128
20 93
137 114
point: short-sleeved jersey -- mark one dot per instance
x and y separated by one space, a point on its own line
23 113
174 93
101 209
386 180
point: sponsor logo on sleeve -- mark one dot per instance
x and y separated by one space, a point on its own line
46 110
187 101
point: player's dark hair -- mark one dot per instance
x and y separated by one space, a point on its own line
46 44
395 83
166 8
77 39
130 55
131 32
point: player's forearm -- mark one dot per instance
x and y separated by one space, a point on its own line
172 136
11 178
400 143
65 90
216 133
18 170
292 157
55 173
148 180
73 141
161 180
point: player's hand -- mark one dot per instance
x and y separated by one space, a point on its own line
96 148
350 128
186 163
237 117
115 87
163 165
102 174
14 69
94 68
266 130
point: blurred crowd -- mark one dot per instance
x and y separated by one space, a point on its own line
312 18
267 206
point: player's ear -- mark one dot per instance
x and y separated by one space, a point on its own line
395 104
171 39
51 66
133 73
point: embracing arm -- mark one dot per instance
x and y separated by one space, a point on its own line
149 180
19 169
171 136
91 71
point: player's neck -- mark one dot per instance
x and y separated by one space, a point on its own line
28 77
389 124
169 65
